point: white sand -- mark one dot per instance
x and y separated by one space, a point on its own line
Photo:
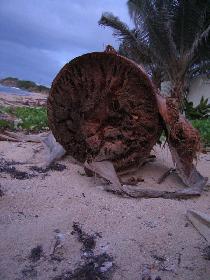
134 231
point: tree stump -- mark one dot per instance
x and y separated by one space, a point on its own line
102 106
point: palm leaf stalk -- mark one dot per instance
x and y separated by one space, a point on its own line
170 37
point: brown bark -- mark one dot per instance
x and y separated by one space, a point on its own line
178 93
183 141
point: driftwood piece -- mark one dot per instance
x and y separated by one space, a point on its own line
54 150
5 137
21 137
165 175
106 170
201 222
139 192
151 193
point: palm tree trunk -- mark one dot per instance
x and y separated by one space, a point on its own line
156 78
178 93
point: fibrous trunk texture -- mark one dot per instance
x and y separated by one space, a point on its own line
183 141
102 106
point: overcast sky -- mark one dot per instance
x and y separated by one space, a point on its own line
37 37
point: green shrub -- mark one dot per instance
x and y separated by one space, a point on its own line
9 79
32 119
201 111
42 88
204 128
26 84
23 84
5 124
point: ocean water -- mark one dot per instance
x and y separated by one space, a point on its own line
14 91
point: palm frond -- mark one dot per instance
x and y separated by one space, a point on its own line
130 51
189 19
171 36
198 40
136 11
155 18
121 30
133 38
199 69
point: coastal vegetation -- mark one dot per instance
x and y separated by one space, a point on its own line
34 119
30 119
204 128
24 85
201 111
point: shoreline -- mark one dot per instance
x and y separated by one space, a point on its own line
22 100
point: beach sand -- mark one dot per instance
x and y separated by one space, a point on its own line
138 235
20 100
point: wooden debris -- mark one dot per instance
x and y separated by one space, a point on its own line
104 107
151 193
165 175
5 137
105 169
201 222
54 150
132 180
183 141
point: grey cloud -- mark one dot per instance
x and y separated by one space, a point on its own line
25 63
45 34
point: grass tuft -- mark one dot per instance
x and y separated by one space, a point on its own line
31 118
204 128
